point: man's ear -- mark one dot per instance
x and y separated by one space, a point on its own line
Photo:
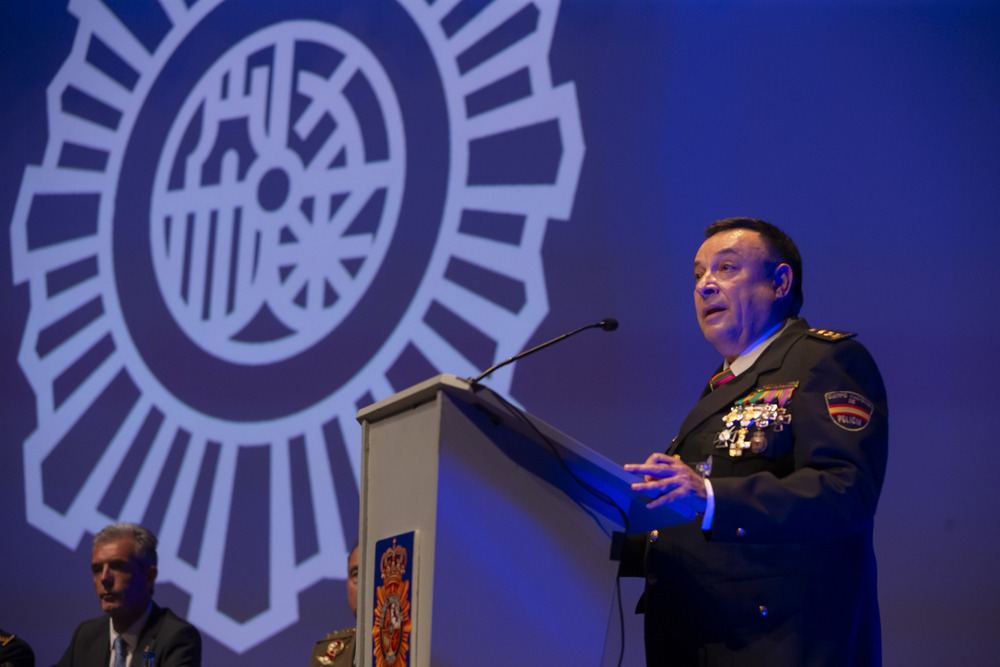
783 281
151 578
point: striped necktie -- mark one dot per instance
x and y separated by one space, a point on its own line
121 649
721 378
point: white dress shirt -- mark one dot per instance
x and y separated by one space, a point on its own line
131 637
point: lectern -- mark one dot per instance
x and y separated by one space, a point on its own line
507 525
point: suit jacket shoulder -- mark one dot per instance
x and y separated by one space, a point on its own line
89 645
174 641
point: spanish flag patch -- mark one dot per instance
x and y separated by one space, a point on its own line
849 410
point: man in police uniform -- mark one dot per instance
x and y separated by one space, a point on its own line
782 462
15 652
338 648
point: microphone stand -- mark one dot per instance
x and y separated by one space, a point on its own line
609 324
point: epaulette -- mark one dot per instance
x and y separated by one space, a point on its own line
829 334
341 634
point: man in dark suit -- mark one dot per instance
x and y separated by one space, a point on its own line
124 568
782 461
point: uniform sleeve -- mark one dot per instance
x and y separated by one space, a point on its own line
839 459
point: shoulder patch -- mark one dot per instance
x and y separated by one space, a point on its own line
829 334
849 410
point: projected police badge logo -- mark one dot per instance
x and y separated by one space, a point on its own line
250 222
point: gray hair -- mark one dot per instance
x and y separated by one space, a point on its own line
145 541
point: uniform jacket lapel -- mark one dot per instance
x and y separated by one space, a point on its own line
713 402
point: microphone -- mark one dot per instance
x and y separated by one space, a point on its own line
608 324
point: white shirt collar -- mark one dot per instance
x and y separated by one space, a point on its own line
756 348
131 636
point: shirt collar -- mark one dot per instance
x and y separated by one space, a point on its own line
756 348
131 634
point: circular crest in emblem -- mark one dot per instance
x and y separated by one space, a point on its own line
277 193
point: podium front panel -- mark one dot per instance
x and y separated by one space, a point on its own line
510 567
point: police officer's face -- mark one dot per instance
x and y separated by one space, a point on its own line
352 581
124 586
738 289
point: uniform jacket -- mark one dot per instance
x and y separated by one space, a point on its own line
15 652
786 575
336 650
175 642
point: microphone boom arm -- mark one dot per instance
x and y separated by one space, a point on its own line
608 324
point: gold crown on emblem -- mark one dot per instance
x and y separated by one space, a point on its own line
393 564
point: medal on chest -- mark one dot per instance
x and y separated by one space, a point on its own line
335 648
750 416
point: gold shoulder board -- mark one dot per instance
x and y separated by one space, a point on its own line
829 334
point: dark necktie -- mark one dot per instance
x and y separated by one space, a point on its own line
721 378
121 648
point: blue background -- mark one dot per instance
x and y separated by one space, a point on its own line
868 130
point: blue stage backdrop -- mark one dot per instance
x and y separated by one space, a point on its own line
233 223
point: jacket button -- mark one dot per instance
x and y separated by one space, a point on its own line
651 579
654 536
741 532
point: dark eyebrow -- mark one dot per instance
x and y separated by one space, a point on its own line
724 251
117 562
